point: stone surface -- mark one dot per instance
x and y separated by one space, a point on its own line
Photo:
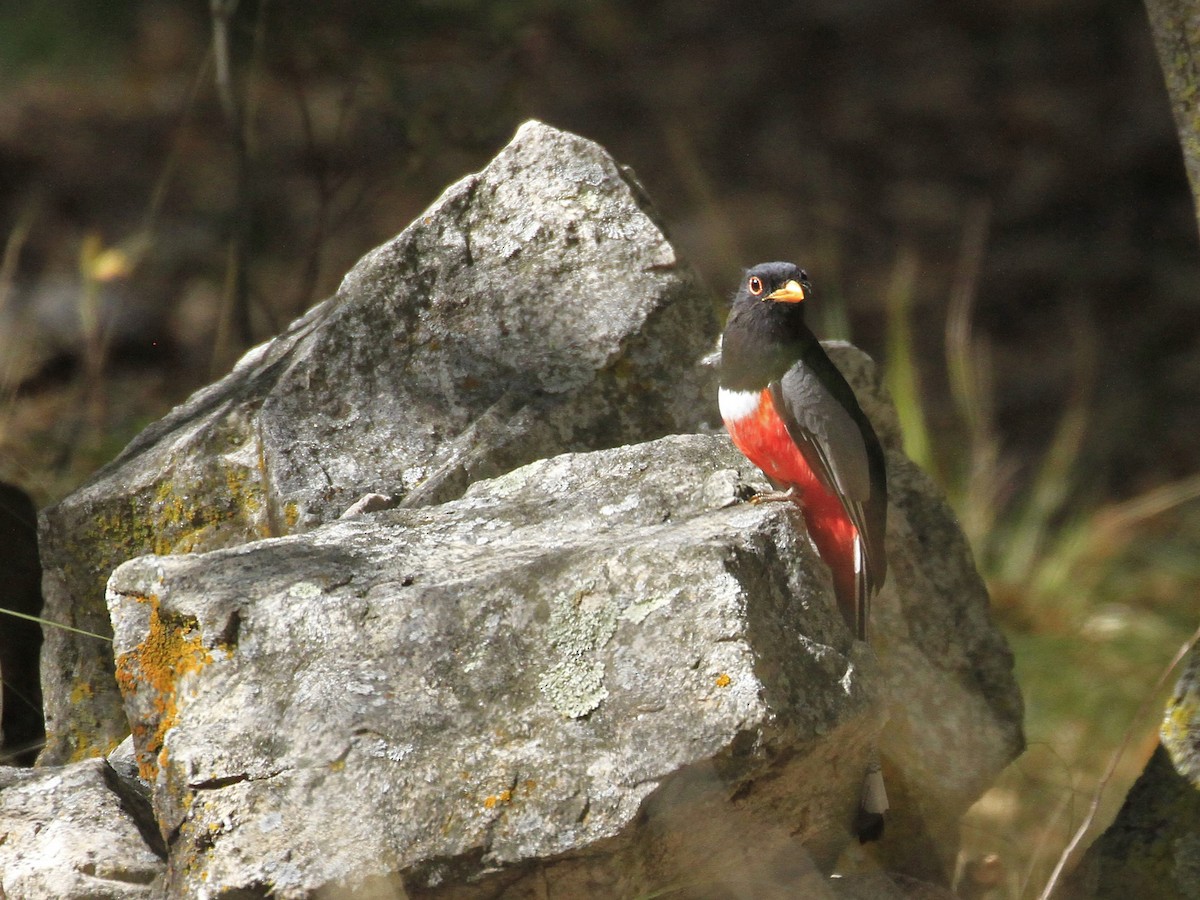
1152 847
77 832
535 308
540 688
947 679
594 674
1180 730
882 886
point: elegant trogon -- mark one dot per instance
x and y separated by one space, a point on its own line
790 411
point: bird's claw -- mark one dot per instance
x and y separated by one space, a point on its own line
788 496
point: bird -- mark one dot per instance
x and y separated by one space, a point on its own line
788 409
791 413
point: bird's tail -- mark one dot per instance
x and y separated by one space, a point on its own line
842 550
874 803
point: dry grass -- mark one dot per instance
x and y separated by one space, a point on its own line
1093 595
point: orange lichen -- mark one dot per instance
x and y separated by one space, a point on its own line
497 799
169 651
723 680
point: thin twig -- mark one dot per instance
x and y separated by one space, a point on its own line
1064 807
13 245
10 373
235 313
167 173
49 623
222 12
328 183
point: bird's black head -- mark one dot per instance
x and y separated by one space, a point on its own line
765 333
774 282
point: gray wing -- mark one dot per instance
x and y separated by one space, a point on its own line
840 447
827 434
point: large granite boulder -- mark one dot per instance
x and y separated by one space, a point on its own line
535 308
539 689
546 673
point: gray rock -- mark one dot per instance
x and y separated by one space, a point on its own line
123 761
535 308
1180 729
597 675
882 886
1152 848
948 682
76 833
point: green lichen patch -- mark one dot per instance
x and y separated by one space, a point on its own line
578 630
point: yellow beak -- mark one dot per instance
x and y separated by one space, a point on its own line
789 293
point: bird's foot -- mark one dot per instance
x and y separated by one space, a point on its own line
791 495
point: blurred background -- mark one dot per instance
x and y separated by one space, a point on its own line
989 198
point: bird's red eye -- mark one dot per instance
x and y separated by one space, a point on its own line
755 285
